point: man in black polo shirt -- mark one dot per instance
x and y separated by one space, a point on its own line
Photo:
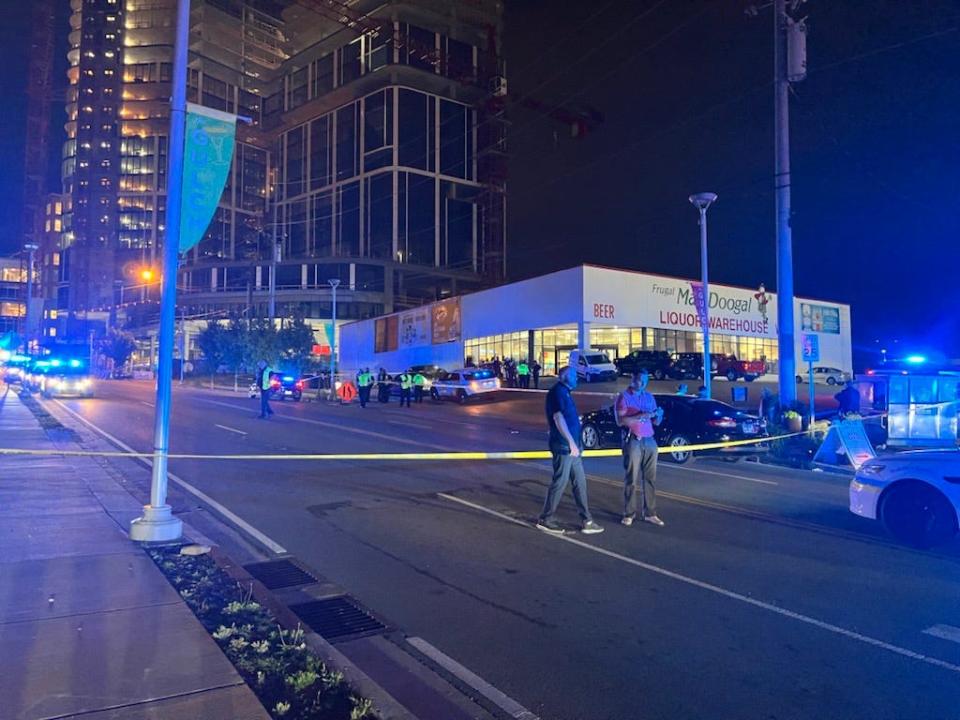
564 423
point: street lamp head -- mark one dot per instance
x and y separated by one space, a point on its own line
334 282
30 246
703 200
146 274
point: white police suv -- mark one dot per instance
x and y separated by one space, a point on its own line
916 495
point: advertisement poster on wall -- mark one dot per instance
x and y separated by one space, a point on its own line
446 321
820 318
414 330
385 334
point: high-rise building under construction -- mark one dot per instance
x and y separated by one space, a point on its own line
370 149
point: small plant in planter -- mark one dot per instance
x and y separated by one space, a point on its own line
290 681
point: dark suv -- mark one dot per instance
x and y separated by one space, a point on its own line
656 362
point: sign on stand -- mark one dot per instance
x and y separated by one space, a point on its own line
846 437
810 346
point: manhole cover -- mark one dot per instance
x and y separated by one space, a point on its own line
279 574
337 617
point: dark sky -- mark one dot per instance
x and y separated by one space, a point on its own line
685 90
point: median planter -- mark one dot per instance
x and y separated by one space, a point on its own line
289 679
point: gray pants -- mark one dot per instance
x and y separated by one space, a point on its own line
565 469
640 463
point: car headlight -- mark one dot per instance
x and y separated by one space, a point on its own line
872 469
83 384
55 384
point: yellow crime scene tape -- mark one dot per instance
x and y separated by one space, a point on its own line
456 455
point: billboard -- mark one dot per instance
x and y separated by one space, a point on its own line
385 334
446 321
414 329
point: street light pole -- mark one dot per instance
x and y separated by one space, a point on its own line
334 283
31 248
702 202
274 252
157 523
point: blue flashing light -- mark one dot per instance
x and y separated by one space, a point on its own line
288 378
55 363
916 359
75 363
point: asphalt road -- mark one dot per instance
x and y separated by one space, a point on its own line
761 598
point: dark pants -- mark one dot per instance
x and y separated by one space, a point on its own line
265 409
418 393
566 468
524 381
640 464
536 380
364 395
383 393
405 396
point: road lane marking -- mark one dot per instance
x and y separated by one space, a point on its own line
148 404
229 429
406 423
717 590
227 513
723 474
497 697
944 632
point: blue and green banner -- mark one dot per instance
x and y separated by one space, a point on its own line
208 153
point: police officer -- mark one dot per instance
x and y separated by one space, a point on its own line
523 371
264 385
418 383
365 384
406 383
383 386
536 368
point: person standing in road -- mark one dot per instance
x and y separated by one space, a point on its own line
523 372
535 370
406 383
383 386
364 385
565 447
264 385
418 382
637 412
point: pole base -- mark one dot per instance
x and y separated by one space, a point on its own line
156 525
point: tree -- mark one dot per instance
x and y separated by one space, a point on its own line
263 341
211 342
118 345
296 342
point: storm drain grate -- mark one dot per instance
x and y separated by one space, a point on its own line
336 617
277 574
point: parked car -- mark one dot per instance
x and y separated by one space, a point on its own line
593 366
687 420
658 363
914 494
827 375
462 385
690 365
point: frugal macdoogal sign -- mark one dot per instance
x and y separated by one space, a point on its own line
650 301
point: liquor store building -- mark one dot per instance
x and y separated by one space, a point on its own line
590 307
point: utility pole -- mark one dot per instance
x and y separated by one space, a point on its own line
334 283
274 252
789 65
157 522
702 202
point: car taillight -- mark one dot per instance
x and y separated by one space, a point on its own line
724 422
299 384
275 383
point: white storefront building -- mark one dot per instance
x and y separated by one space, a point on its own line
616 311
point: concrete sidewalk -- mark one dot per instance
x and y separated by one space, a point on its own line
89 626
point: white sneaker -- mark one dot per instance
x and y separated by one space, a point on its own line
653 520
627 520
591 528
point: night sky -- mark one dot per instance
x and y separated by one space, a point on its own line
685 88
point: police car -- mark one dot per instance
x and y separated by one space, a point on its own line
463 384
62 378
916 495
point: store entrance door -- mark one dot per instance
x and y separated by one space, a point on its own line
561 357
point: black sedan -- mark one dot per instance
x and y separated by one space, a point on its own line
687 420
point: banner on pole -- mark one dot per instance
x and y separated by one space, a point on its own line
700 303
208 153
